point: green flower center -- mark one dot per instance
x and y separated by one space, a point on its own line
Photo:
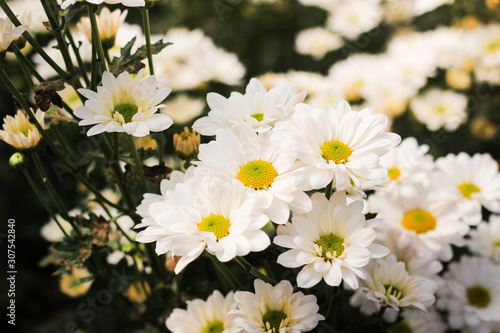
467 189
217 224
401 327
391 290
214 327
335 151
258 116
127 111
331 246
440 109
478 296
419 221
258 175
393 173
272 320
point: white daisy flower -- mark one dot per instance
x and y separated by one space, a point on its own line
389 284
485 240
427 218
351 18
416 321
205 214
337 145
19 132
440 108
473 182
124 105
243 155
258 107
8 34
471 292
107 22
275 309
333 242
210 316
317 42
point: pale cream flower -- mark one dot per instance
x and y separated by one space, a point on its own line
68 279
9 33
107 22
19 132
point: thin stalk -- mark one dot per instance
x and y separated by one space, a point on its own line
22 58
138 163
160 140
97 193
43 201
25 70
147 34
380 314
37 47
52 191
81 64
255 272
330 294
228 275
95 37
93 68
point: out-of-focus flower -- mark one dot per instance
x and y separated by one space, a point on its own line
211 315
8 34
458 78
333 241
68 279
389 284
440 108
124 105
471 292
242 155
483 129
334 148
187 143
107 22
275 309
19 132
473 181
416 321
485 240
204 214
257 107
182 108
316 42
351 18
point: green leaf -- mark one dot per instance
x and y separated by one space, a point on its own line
80 281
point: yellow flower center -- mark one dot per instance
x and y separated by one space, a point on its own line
393 173
127 111
330 246
467 189
394 291
217 224
214 327
335 151
273 320
258 175
258 116
478 296
419 221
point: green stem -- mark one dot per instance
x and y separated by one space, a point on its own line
44 202
52 191
330 294
160 140
95 36
37 47
380 314
252 270
22 58
228 275
147 34
138 163
24 69
81 64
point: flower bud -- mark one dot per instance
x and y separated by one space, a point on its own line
186 144
18 161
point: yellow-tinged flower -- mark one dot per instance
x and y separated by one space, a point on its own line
9 33
19 132
187 143
78 289
108 23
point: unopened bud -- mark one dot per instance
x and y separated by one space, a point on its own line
187 143
18 161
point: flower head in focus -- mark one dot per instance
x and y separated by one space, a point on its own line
123 104
19 132
8 34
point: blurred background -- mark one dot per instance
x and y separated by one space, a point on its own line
433 67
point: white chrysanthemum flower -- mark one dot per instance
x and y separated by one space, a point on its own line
485 240
473 182
407 165
337 145
29 12
440 108
107 22
390 284
416 321
210 316
317 42
471 292
124 105
350 76
243 155
183 109
128 3
258 107
9 33
333 241
275 309
351 18
205 214
426 217
19 132
67 282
